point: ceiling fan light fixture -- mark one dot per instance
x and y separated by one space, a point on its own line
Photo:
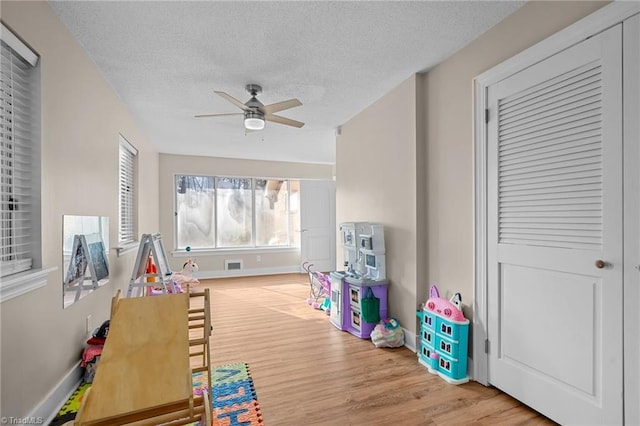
253 120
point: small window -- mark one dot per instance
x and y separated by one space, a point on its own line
446 365
446 329
274 213
20 239
127 213
427 319
195 212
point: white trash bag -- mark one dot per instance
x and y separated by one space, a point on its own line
388 334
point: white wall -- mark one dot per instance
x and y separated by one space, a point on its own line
376 171
81 119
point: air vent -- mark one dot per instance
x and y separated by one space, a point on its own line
232 265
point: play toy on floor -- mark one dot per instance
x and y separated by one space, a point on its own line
388 334
319 288
444 337
184 277
180 281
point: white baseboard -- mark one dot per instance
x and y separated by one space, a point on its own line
50 405
410 340
470 369
247 272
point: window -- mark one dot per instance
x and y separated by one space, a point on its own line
195 200
127 204
20 237
234 212
277 212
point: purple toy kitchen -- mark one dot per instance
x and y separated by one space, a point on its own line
364 277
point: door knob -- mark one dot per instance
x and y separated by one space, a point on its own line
600 264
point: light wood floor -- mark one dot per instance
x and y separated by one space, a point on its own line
307 372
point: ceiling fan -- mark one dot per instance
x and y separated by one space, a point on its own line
255 113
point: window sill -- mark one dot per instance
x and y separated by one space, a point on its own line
248 250
18 284
126 248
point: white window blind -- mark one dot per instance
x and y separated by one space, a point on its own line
127 231
19 156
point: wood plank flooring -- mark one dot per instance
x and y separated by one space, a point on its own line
307 372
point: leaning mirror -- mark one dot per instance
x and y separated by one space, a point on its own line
85 251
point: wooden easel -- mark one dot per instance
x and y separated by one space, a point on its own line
150 246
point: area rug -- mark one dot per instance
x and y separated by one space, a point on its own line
70 408
233 395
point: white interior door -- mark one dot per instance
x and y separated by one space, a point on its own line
554 211
318 224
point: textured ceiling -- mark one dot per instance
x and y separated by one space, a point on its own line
165 59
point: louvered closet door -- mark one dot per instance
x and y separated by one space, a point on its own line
555 209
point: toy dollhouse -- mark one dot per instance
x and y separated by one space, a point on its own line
444 335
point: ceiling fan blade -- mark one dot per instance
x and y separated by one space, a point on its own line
280 106
282 120
217 115
233 101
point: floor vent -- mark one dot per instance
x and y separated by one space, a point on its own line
232 265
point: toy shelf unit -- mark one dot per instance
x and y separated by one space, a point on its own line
346 303
444 336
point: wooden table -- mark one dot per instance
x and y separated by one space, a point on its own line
145 361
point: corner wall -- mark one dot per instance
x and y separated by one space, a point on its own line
376 182
40 342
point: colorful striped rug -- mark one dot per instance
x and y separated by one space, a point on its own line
70 408
233 396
